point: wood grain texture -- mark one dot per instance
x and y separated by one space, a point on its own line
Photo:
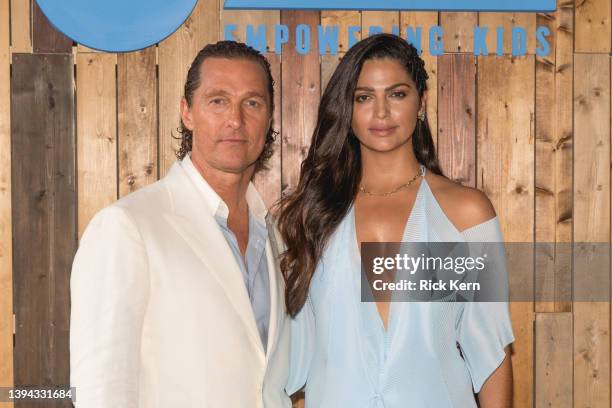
386 20
268 181
21 26
505 163
45 38
553 177
300 95
457 117
255 18
96 133
592 224
137 119
329 63
458 31
175 55
593 26
44 215
343 19
426 20
507 21
6 248
554 350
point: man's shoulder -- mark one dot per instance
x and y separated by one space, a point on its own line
139 207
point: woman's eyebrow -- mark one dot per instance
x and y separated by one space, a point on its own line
366 88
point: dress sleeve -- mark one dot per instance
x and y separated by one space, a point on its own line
484 329
302 347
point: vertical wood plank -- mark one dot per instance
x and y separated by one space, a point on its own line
458 30
44 215
300 95
6 248
45 38
255 18
96 133
21 26
137 119
426 20
554 360
593 26
505 162
268 181
553 177
457 117
507 21
592 224
387 20
174 58
343 19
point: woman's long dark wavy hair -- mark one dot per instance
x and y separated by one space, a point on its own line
331 172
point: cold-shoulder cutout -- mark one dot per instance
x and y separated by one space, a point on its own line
465 207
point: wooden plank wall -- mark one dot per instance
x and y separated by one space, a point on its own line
503 124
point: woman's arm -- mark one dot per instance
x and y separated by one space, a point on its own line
497 390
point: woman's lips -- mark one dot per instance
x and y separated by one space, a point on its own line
382 130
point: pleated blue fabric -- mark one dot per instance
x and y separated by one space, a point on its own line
432 354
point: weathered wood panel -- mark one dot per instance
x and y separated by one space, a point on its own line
254 18
505 149
45 38
300 95
343 19
175 56
554 352
507 21
593 26
457 117
388 21
96 133
21 26
6 248
592 224
553 177
44 215
137 119
458 31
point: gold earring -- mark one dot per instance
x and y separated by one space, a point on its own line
421 116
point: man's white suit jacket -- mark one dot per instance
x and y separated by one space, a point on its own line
160 313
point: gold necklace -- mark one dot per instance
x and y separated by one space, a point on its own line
388 193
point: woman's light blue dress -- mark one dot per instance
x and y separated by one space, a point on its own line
433 354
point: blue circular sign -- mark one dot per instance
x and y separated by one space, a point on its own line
117 25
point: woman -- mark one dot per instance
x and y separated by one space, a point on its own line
371 175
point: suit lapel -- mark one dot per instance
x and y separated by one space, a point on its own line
196 225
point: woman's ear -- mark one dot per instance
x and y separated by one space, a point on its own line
423 106
186 114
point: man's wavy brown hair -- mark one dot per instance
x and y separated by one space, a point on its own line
226 49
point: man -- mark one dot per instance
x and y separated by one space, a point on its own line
177 298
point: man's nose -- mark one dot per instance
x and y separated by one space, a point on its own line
234 118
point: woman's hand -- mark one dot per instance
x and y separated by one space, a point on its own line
497 390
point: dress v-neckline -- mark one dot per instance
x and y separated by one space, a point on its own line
357 250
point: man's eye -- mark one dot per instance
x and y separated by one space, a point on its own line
253 103
398 94
217 101
362 98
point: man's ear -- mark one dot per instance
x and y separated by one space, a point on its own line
186 116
